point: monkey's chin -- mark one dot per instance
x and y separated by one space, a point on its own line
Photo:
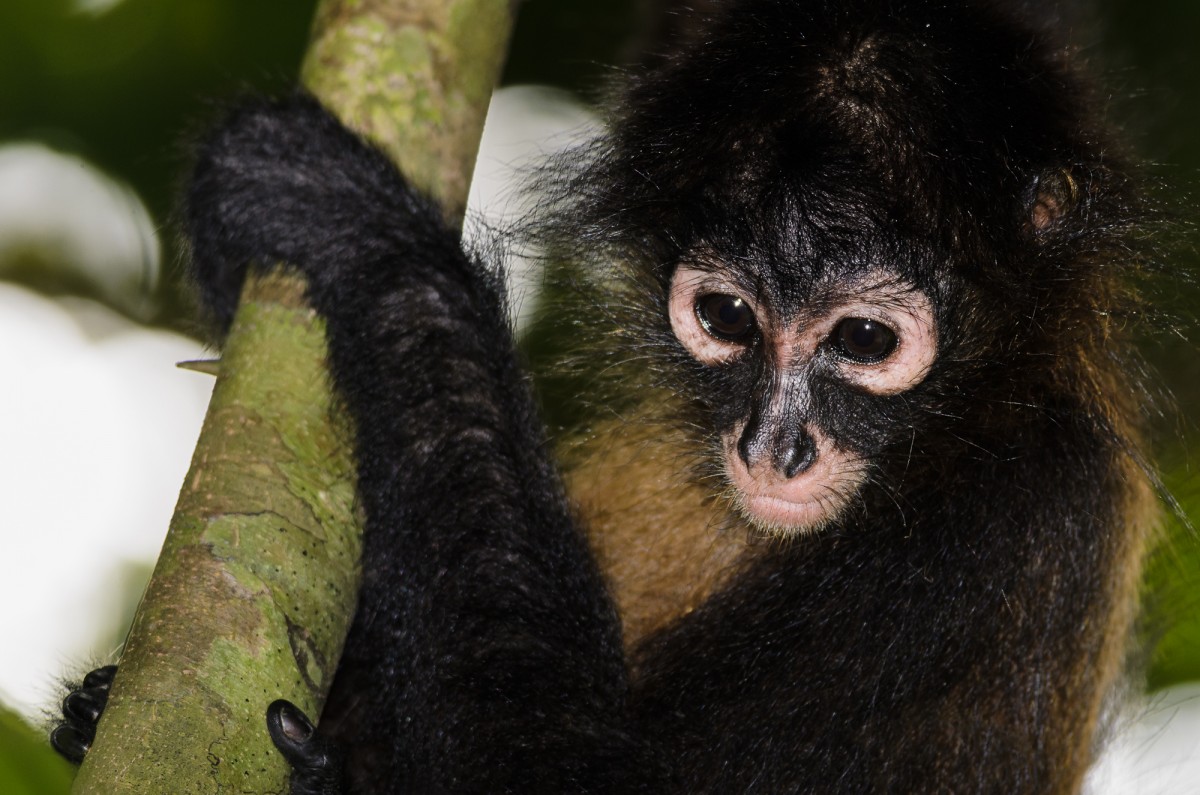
780 517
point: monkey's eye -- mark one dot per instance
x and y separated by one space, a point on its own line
863 341
725 317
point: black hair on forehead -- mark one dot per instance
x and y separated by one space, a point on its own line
898 104
788 248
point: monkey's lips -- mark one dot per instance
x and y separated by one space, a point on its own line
806 502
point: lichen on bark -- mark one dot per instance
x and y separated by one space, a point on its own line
259 565
415 77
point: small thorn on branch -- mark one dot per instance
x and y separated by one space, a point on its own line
208 366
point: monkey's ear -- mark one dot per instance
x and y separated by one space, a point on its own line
1053 195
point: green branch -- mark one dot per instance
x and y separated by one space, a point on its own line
253 594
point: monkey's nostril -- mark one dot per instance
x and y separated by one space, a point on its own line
744 450
797 457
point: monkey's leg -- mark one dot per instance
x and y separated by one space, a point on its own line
486 654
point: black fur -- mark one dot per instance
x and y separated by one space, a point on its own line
480 601
954 631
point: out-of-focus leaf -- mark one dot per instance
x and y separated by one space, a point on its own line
28 766
1172 616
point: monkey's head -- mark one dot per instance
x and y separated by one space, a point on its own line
870 245
793 450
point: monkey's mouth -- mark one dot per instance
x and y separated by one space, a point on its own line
803 503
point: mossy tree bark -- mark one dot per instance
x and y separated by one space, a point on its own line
253 593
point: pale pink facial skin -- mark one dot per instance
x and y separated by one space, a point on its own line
688 285
816 496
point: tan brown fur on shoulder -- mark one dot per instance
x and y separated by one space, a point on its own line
663 540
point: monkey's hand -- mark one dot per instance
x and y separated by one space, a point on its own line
316 765
81 709
282 181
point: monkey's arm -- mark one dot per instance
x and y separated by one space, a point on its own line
485 655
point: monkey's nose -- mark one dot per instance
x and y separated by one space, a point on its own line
789 454
796 457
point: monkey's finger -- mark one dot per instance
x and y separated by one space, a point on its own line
71 741
100 679
84 706
316 767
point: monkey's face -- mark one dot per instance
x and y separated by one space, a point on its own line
797 449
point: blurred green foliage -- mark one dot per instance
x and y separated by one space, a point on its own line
1149 56
122 87
27 765
1148 51
122 82
1173 585
119 87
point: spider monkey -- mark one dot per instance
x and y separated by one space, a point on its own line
873 517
